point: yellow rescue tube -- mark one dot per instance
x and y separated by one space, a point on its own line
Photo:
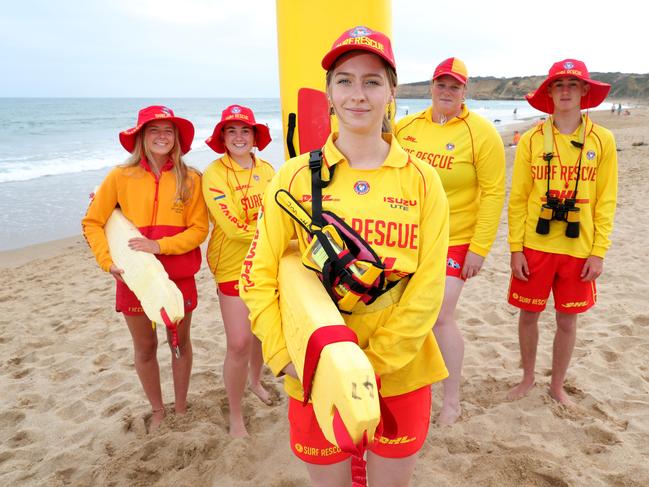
344 378
143 273
306 31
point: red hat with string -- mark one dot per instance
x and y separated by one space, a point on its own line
238 113
572 68
159 112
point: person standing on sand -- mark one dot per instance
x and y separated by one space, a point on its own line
233 188
362 163
161 196
468 154
561 209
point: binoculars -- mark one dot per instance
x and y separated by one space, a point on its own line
565 211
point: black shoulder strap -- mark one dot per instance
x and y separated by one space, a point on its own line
317 183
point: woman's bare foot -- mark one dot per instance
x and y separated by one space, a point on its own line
263 395
562 397
157 415
520 391
238 428
449 415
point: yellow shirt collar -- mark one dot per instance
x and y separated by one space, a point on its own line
463 114
397 157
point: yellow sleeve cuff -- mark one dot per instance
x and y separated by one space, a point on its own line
598 251
278 361
515 247
477 249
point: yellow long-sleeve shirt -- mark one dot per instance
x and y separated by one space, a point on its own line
401 210
233 196
468 154
596 194
149 203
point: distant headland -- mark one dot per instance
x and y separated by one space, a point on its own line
624 86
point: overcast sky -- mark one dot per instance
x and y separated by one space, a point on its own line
227 48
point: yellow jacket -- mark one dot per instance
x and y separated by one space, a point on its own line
469 157
233 196
596 193
401 209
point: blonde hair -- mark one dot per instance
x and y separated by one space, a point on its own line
184 184
390 73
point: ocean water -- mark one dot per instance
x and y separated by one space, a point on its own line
54 151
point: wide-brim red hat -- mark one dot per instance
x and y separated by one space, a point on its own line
158 112
360 39
541 99
238 113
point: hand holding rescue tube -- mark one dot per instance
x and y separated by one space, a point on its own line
161 299
344 379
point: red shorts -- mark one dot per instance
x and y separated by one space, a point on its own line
229 288
126 302
411 412
455 260
558 272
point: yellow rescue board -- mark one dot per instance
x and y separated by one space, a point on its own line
306 31
143 273
344 379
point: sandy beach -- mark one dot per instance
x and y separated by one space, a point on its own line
72 411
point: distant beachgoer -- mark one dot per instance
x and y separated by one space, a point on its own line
161 196
612 107
561 208
233 188
516 138
619 108
468 154
515 111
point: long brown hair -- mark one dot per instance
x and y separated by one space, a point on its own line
391 74
184 184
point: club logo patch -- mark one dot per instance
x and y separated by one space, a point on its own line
166 111
360 31
568 65
452 264
362 187
235 109
450 146
256 177
590 155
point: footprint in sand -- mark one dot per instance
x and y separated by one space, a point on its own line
21 373
114 408
601 435
22 438
11 418
641 320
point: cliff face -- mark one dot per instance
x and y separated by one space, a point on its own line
624 86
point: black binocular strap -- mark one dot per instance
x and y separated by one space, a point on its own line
547 156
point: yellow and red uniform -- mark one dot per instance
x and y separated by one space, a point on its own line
401 210
468 154
596 194
150 203
233 196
